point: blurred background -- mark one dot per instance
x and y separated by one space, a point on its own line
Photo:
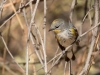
15 36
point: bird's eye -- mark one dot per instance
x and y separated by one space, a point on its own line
56 26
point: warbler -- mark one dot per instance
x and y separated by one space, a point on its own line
65 34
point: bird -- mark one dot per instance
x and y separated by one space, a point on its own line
65 35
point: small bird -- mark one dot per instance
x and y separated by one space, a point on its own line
65 34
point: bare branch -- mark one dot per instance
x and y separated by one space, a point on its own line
44 48
16 15
94 31
10 53
74 2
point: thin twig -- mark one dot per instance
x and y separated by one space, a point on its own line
8 19
31 7
27 26
4 55
8 69
54 59
65 68
17 11
74 2
17 15
70 69
10 53
94 31
28 36
84 18
9 4
54 64
1 7
97 40
84 70
44 50
56 56
93 55
90 18
5 51
27 53
89 30
36 50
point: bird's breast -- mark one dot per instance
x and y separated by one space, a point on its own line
65 39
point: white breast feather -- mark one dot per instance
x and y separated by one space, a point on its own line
63 34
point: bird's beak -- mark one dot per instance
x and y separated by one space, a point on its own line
51 29
54 30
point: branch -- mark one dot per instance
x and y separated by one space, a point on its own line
10 53
94 32
28 36
74 2
5 20
44 47
16 14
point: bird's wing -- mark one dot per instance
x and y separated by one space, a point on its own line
62 47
